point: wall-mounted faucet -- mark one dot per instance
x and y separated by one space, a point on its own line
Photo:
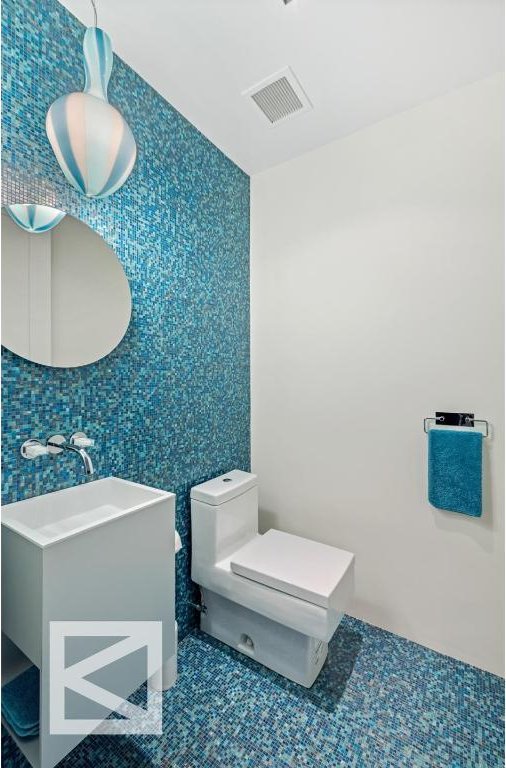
56 444
78 443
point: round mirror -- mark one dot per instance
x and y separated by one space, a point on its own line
65 296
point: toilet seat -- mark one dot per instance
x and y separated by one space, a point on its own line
295 566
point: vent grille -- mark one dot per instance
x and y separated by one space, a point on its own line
279 96
277 100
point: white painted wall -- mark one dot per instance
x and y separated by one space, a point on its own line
377 298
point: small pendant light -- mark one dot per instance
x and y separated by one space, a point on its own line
91 140
34 218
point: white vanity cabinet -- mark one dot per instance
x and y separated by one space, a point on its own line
99 552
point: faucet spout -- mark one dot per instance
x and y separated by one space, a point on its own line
86 459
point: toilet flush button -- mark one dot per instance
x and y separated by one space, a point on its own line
227 479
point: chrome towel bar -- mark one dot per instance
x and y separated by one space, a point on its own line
446 419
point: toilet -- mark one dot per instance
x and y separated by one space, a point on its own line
275 597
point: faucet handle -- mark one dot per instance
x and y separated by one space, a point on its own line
55 444
32 449
80 440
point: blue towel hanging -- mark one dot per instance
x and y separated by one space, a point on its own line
455 473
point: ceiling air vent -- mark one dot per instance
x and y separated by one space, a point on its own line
279 96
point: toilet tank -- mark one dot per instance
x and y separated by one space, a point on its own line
224 514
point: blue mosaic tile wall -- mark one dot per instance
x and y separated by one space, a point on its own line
170 406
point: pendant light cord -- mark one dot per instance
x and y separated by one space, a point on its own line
94 12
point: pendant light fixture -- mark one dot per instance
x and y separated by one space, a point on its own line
91 140
34 218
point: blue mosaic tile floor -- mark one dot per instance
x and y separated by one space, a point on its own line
380 702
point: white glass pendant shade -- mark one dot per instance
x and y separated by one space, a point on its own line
92 141
35 218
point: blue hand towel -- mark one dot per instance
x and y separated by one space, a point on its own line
20 703
455 470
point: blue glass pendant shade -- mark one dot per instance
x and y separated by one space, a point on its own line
91 140
35 218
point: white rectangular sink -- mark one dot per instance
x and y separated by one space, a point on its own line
47 519
101 551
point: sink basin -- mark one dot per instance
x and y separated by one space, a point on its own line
47 519
102 551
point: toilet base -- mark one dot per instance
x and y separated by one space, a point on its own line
289 653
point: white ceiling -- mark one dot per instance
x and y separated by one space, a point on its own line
359 61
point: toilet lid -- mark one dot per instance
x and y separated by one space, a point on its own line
299 567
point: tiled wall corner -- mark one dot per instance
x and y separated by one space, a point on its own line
171 405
